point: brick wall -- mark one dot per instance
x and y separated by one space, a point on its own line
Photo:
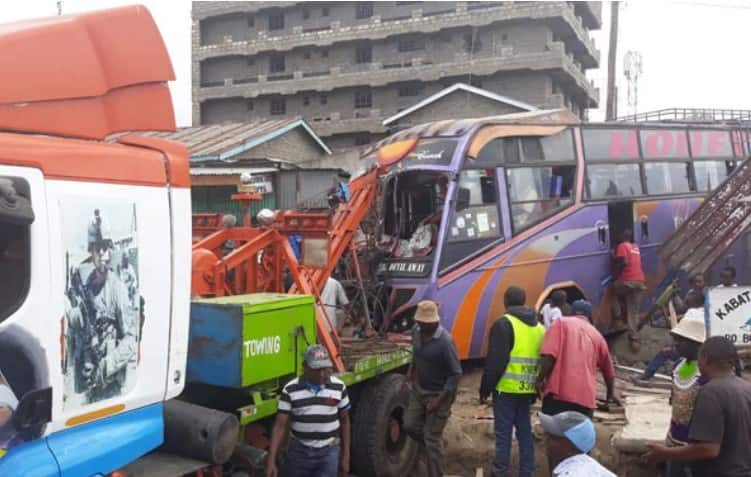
294 146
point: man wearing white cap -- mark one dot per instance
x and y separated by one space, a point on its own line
569 436
434 378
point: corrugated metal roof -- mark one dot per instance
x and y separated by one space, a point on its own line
226 171
223 141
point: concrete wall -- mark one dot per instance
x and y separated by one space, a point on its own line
444 47
447 47
296 146
239 27
214 30
224 110
533 88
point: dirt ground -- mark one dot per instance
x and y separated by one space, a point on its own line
470 442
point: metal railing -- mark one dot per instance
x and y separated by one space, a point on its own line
691 115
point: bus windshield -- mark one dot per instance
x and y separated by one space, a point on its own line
413 203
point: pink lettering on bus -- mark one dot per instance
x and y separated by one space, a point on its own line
623 144
665 144
737 139
711 144
716 143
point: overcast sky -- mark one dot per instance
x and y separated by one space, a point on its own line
693 52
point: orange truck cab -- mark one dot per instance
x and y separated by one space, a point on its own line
94 244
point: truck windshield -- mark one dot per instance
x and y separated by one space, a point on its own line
413 203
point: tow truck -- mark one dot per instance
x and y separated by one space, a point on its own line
125 349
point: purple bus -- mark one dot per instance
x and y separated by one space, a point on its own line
470 207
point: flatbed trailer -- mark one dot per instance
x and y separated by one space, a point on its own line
363 360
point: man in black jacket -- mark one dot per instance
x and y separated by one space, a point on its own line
511 368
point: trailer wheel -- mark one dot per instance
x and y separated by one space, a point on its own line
380 447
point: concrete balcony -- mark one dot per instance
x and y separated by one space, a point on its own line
560 16
379 74
202 10
591 13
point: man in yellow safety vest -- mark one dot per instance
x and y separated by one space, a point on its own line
511 368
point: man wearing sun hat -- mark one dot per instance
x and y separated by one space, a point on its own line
688 335
569 436
434 378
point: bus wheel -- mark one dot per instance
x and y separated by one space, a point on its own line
380 447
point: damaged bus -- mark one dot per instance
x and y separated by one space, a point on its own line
470 207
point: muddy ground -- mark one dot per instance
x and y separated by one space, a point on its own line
470 442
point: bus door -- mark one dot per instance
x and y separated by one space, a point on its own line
620 218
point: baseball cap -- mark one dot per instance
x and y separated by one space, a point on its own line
574 426
582 307
316 357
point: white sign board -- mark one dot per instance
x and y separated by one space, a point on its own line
729 314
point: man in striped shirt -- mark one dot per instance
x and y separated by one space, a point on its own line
315 408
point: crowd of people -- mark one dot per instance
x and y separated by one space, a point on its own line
554 356
710 428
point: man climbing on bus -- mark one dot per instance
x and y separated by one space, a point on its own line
629 283
511 368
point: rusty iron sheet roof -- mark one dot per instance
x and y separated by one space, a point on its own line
220 142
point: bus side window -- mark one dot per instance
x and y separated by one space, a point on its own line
536 193
475 222
16 216
613 180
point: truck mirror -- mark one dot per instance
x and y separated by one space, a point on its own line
15 206
34 411
462 199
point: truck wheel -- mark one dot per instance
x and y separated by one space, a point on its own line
380 447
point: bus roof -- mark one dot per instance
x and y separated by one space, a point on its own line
457 127
85 75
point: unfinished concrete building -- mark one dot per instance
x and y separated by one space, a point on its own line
346 67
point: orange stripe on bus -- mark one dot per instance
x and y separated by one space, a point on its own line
94 415
466 315
530 277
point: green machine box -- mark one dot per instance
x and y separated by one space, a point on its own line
243 340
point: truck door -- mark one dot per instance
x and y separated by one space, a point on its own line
111 275
29 345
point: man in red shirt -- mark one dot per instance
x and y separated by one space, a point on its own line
629 282
572 352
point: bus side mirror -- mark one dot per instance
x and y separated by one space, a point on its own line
462 199
33 413
14 207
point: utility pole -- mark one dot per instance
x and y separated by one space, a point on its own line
611 104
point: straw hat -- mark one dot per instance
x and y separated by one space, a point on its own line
691 328
427 312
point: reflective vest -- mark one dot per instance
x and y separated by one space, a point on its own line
524 363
